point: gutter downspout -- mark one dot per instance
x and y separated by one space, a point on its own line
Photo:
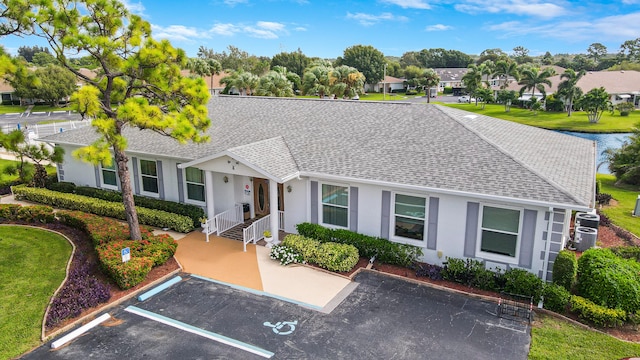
545 265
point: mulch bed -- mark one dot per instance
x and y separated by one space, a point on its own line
606 238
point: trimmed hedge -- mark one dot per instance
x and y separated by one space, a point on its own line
192 211
596 314
328 255
384 250
522 282
472 273
565 268
100 207
556 298
609 280
627 252
36 213
109 237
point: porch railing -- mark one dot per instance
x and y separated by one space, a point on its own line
280 220
228 219
255 231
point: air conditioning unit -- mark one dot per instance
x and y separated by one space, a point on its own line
590 220
585 238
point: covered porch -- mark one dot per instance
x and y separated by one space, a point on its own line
246 190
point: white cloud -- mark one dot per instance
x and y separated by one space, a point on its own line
235 2
438 27
178 32
273 26
370 19
617 28
408 4
300 28
631 2
261 29
224 29
134 8
519 7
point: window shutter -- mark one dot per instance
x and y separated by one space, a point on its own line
180 185
136 178
471 230
385 220
353 209
314 202
96 171
160 179
432 230
528 236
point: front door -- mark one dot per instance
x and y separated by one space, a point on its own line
261 196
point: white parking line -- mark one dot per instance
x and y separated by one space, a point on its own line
201 332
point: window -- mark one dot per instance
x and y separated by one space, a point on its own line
409 215
500 229
109 175
335 205
149 175
195 184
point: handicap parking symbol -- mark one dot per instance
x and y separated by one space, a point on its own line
282 327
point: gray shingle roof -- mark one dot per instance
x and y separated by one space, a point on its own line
412 144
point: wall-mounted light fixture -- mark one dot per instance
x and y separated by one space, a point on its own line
225 179
289 188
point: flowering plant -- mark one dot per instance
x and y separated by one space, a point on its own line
285 255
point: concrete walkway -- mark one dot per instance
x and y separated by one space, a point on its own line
223 260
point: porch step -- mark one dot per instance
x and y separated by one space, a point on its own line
235 233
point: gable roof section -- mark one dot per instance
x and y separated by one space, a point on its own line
409 145
614 82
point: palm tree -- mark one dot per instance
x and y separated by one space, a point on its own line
505 69
568 88
533 78
274 83
428 80
316 80
244 81
473 79
205 67
346 81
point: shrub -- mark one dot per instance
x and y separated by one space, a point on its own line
603 198
522 282
36 213
627 252
306 247
195 213
565 268
63 186
596 314
146 216
472 273
337 257
625 108
556 298
434 272
447 90
328 255
412 92
81 291
285 255
9 211
609 280
384 250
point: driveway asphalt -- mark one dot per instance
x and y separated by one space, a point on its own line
383 318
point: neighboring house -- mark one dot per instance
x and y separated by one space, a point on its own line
622 86
7 94
451 77
391 84
454 183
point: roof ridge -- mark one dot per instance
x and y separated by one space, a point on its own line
508 154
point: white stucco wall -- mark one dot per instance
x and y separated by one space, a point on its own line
296 204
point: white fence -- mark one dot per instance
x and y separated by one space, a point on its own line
34 131
255 231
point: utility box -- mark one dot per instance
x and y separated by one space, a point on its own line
246 210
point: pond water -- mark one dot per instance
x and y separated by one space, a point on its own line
603 142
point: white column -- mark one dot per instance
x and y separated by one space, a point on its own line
273 209
208 188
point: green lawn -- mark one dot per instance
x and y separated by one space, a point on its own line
556 339
32 266
6 109
557 121
38 108
626 196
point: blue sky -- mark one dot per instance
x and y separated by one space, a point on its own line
326 28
